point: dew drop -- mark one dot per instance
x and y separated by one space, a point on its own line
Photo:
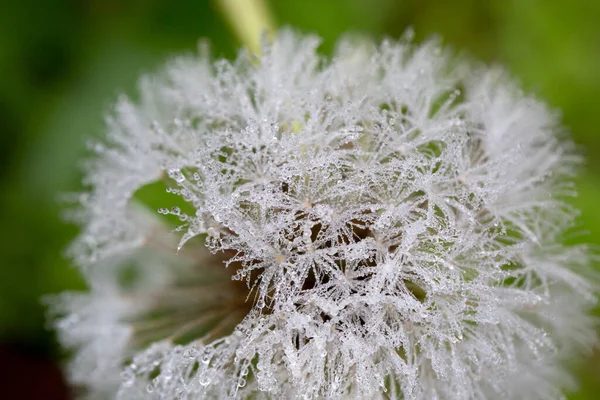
260 303
212 232
191 352
176 175
128 377
204 380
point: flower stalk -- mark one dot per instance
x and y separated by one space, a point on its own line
250 20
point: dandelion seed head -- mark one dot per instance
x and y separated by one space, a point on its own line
386 223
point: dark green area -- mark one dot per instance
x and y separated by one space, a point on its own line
63 63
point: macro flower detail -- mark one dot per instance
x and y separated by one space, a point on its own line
387 223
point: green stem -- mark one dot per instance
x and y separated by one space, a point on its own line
249 19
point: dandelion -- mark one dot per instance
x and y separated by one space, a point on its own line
383 224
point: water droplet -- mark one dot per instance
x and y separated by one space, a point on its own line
186 194
176 175
213 233
191 352
128 377
204 380
260 303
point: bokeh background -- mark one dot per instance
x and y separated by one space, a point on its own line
62 63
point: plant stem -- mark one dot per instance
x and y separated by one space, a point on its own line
249 19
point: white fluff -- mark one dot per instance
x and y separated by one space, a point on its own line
396 213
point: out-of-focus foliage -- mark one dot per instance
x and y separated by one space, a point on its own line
63 62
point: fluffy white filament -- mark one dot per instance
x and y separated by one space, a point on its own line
396 216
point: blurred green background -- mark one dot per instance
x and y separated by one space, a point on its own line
62 63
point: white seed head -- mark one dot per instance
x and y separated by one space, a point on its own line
391 218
